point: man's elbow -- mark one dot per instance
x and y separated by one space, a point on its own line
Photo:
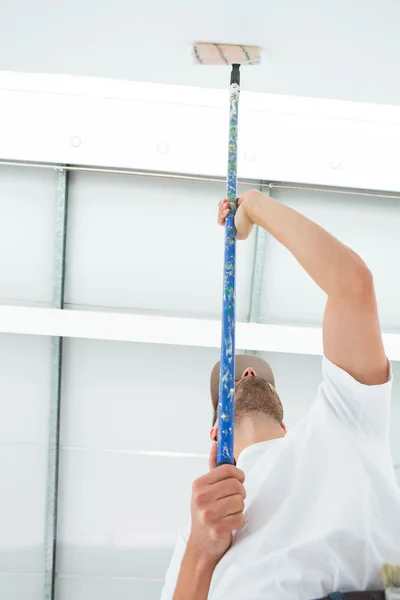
360 282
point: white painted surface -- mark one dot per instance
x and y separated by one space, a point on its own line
24 396
24 388
164 330
368 225
110 394
154 246
119 513
25 586
23 480
112 398
27 202
345 50
168 330
112 125
104 588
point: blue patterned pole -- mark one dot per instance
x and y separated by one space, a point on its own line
226 402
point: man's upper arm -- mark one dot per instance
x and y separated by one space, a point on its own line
351 332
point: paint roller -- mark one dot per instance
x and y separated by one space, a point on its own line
228 54
391 581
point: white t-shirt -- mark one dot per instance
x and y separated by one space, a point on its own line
322 512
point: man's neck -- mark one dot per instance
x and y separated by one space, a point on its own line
254 429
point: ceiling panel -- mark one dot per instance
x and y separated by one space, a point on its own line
136 396
145 244
103 588
27 229
111 398
308 51
19 586
23 480
24 388
368 225
119 513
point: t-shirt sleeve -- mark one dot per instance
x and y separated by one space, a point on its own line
366 407
171 577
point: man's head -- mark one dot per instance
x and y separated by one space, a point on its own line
256 399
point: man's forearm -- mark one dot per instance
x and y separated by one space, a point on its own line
332 265
194 576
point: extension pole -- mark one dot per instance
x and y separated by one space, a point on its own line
226 403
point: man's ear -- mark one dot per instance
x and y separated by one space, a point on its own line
214 433
284 427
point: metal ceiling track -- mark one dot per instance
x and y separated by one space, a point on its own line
53 447
264 186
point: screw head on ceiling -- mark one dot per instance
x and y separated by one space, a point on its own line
335 164
163 148
75 141
249 156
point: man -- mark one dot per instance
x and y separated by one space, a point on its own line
316 510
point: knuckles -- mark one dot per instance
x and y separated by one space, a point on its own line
239 521
228 471
240 502
217 530
238 488
207 515
228 525
199 484
201 498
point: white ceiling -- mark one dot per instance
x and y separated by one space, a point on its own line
346 50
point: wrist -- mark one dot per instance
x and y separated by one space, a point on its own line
195 574
200 558
255 201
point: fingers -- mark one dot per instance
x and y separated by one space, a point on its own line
227 525
225 507
219 474
218 503
228 487
213 456
217 497
204 494
223 211
221 509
